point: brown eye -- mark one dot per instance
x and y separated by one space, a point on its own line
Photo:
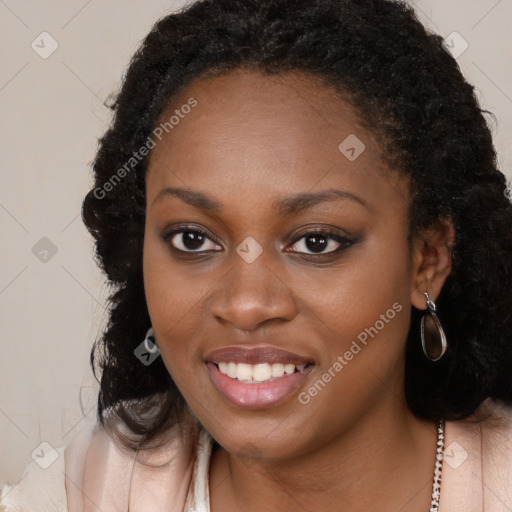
190 240
316 242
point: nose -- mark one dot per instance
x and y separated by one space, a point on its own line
251 294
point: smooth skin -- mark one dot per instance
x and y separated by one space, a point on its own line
251 141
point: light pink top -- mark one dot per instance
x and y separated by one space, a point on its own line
95 474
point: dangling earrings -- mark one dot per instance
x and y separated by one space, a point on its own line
433 339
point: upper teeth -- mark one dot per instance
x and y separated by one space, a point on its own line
257 372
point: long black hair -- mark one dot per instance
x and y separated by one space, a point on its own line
410 93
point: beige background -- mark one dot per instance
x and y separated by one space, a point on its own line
52 113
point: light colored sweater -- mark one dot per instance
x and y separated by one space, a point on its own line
93 473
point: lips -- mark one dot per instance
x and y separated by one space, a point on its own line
258 377
255 355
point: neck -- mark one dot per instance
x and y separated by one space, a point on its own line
385 461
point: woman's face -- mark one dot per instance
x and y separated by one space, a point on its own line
258 164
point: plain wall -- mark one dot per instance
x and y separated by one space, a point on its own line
52 113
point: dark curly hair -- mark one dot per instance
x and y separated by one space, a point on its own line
410 94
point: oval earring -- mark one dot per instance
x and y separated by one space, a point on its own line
433 338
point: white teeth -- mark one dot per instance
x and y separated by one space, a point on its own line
244 371
289 369
277 370
261 372
231 370
257 372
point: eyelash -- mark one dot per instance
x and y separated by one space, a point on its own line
343 241
167 237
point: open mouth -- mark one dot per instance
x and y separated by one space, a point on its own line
260 372
257 376
260 385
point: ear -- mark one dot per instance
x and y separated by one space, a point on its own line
431 261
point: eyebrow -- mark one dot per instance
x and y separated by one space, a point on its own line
192 197
306 200
284 206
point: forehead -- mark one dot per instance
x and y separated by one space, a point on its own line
266 135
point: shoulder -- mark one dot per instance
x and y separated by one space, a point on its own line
116 478
95 470
39 488
477 467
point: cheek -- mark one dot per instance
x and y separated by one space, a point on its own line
363 313
176 294
365 298
170 299
168 286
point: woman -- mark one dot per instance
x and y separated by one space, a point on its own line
299 210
